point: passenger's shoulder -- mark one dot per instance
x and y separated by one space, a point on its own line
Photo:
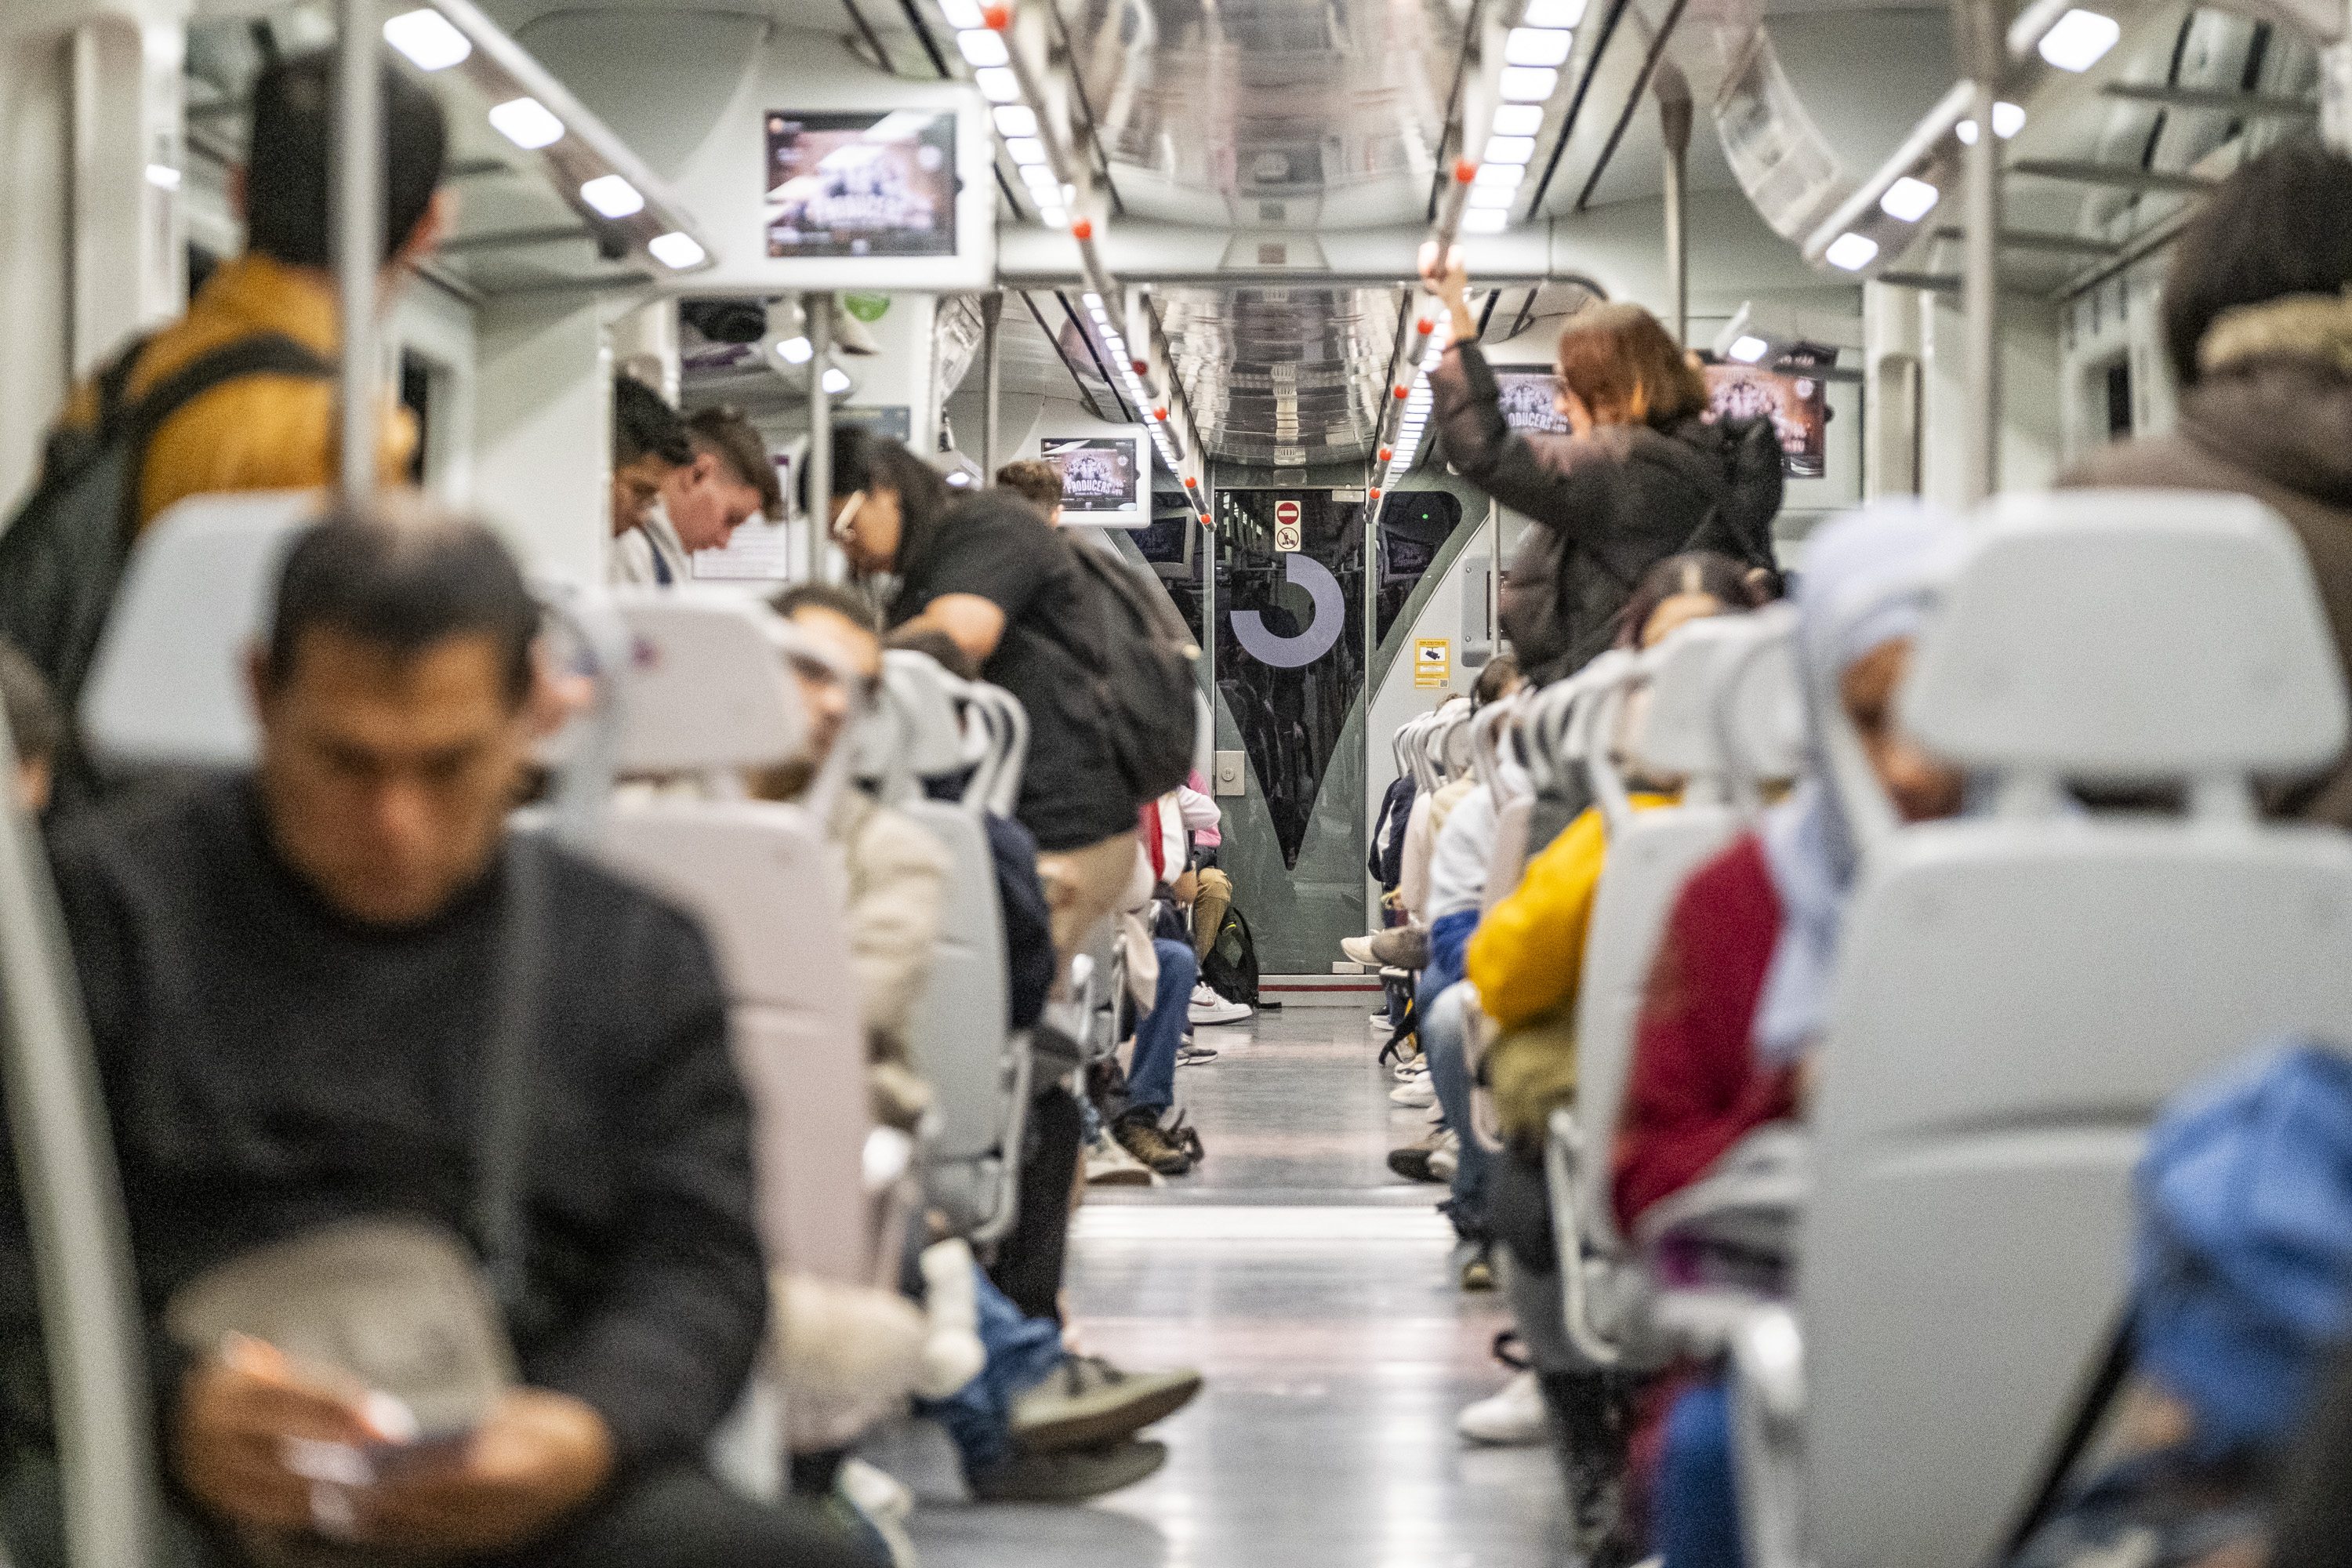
2168 461
155 828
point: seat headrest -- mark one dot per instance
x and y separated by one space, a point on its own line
167 686
1689 707
2131 635
918 728
706 689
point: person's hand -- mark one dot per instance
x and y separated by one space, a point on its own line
241 1416
1448 278
537 1457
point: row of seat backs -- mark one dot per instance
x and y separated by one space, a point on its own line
2021 992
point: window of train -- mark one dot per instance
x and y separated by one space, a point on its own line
417 397
2118 380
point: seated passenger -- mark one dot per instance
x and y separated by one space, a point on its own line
289 975
897 872
650 450
2258 327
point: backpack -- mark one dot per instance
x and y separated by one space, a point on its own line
1144 686
63 554
1231 968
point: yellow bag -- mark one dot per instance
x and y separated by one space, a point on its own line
1531 1071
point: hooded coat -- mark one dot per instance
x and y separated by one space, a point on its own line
1608 507
2269 417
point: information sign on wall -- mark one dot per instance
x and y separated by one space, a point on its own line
1433 662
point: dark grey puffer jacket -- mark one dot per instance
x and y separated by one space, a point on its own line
1609 507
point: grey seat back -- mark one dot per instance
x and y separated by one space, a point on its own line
2018 993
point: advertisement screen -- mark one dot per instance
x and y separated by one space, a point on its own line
1797 403
1101 475
1529 399
861 184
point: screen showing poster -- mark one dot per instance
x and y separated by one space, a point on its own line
1530 400
861 184
1797 403
1104 479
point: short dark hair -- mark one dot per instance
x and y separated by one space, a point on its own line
942 649
402 576
1502 672
35 725
865 461
846 603
288 157
645 426
727 436
1033 479
1734 584
2282 225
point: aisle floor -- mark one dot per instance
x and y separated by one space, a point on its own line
1314 1290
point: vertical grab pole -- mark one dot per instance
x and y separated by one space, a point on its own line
1977 25
356 199
95 1344
991 408
817 309
1675 116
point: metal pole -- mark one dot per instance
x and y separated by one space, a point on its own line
1981 307
817 309
1674 114
992 349
356 198
73 1197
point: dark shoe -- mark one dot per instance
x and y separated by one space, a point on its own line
1072 1477
1139 1134
1187 1138
1085 1403
1411 1162
1590 1417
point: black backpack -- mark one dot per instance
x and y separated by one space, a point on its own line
1144 686
62 557
1231 968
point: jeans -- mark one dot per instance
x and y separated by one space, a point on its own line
1697 1507
1442 1044
1152 1070
1021 1352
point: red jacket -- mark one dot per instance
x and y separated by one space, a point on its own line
1697 1087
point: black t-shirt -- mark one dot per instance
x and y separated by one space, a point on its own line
270 1067
997 547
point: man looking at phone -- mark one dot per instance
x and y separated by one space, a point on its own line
293 978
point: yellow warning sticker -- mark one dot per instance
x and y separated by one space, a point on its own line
1433 662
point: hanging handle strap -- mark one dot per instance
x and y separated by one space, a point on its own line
503 1132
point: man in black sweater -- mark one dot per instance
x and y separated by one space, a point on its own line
290 977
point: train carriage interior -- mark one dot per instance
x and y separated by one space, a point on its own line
1034 783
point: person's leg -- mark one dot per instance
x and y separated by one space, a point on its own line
1697 1505
677 1516
1082 886
1215 897
1449 1074
1152 1072
1022 1351
1028 1265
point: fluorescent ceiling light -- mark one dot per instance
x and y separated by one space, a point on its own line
998 84
1537 46
162 176
1026 151
526 122
1850 252
1908 199
1052 217
1493 197
1527 84
1487 220
1015 119
676 251
612 195
836 381
2008 120
795 350
963 14
983 46
428 38
2079 40
1553 12
1505 152
1037 177
1518 119
1748 348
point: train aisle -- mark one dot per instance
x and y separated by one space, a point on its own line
1313 1291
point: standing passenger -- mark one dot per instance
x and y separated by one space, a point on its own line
1645 476
650 449
1036 481
288 975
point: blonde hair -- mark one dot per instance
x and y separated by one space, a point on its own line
1627 370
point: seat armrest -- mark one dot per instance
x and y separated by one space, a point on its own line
1766 1367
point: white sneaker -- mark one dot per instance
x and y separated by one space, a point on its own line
1109 1165
1414 1094
1446 1158
1512 1418
1358 949
877 1491
1408 1068
1208 1007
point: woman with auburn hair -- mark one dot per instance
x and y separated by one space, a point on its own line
1645 474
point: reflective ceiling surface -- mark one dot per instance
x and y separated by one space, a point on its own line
1283 376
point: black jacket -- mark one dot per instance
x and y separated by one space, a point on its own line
270 1067
1609 507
